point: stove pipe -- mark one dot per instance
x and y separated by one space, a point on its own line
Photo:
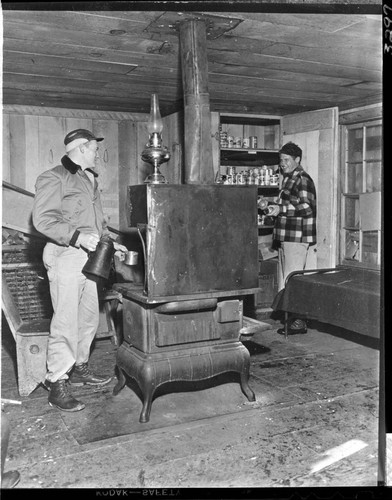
198 167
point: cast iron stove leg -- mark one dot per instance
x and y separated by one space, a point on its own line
147 391
245 387
121 382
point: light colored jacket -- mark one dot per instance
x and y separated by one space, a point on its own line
66 203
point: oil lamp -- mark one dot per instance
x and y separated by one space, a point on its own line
155 153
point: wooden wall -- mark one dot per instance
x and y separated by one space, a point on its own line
33 142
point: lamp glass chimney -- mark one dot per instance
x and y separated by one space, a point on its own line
155 124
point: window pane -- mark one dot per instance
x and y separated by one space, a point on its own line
354 178
351 210
362 176
351 248
373 176
373 143
355 144
370 247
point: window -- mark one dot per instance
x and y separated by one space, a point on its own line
361 174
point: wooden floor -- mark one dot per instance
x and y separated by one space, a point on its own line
314 423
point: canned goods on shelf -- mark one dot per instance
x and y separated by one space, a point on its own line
253 141
240 178
230 141
237 142
245 143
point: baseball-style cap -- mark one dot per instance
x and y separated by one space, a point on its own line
77 137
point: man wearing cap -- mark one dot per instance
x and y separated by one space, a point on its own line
67 210
295 226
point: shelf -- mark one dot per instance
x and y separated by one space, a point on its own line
263 226
250 150
243 119
264 188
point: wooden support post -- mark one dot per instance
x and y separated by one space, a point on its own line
198 167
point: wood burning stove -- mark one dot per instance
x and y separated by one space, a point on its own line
200 258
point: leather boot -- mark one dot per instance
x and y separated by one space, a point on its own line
297 326
82 375
60 397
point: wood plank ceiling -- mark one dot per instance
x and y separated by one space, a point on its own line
258 62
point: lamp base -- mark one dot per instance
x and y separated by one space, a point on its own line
155 178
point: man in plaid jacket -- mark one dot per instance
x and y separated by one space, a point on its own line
295 211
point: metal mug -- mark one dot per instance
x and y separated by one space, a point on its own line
131 258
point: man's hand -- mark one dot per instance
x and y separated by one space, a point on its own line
120 251
88 241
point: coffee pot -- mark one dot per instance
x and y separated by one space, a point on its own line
99 262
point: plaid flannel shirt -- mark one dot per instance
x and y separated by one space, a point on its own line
297 201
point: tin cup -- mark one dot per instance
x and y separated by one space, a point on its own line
131 258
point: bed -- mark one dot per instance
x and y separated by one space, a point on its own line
346 297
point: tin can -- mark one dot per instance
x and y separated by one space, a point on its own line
245 142
223 139
267 176
240 178
237 142
253 141
230 141
230 171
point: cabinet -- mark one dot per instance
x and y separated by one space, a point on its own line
240 152
240 155
248 153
